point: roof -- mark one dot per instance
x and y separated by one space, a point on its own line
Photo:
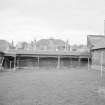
45 53
95 41
99 45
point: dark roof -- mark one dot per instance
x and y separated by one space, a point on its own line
99 45
95 41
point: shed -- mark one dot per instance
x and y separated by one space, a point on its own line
97 49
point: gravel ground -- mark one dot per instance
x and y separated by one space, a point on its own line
51 87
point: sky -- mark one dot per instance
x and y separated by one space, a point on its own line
72 20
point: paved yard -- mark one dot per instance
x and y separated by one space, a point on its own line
61 87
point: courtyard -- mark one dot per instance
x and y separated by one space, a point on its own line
72 86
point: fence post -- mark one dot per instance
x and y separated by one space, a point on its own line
101 63
38 62
79 60
58 63
88 63
14 63
10 64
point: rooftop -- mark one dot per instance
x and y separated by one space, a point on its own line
96 42
44 53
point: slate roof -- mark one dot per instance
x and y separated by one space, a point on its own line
44 53
95 41
99 45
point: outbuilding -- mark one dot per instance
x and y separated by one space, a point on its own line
96 43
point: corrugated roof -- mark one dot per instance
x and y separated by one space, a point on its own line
49 53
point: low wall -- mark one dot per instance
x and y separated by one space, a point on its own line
97 67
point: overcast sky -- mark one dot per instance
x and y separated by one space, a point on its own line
66 19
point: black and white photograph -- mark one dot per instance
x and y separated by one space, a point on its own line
52 52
